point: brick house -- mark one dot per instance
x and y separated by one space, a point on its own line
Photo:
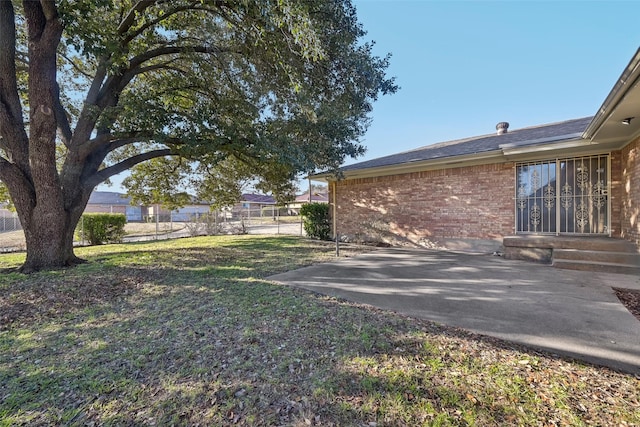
530 188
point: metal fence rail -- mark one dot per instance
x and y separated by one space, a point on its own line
9 221
206 224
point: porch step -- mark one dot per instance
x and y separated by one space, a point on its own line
602 267
582 243
576 253
609 257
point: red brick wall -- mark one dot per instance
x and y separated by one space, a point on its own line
630 189
617 195
473 202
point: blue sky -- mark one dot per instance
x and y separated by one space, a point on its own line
464 66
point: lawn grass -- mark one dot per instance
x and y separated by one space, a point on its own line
189 332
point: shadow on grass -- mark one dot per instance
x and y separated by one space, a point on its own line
118 271
266 355
193 336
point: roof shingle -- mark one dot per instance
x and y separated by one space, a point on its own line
567 130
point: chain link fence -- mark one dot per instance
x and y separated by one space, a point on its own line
267 220
11 235
9 221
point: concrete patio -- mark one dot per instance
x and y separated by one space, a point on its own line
573 313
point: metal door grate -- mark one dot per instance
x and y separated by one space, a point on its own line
568 196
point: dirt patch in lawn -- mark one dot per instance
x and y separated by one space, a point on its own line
33 300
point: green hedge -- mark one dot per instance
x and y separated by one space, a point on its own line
99 228
316 220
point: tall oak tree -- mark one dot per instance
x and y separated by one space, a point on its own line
91 88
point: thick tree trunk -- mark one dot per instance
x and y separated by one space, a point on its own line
47 217
49 238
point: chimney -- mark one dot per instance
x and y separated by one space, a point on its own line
502 127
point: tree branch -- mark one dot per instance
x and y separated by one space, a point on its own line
156 21
61 117
96 84
14 178
118 143
12 130
161 66
138 8
15 147
4 163
88 116
116 83
104 93
111 142
136 61
124 165
75 66
49 9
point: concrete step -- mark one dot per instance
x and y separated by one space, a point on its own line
562 242
602 267
587 253
597 256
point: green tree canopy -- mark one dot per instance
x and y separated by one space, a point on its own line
91 88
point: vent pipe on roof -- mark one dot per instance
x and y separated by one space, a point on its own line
502 127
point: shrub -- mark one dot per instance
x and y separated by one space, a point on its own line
316 221
99 228
194 226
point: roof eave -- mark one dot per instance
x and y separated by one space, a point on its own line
417 166
554 146
626 81
506 153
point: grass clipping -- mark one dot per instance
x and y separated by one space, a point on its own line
188 332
